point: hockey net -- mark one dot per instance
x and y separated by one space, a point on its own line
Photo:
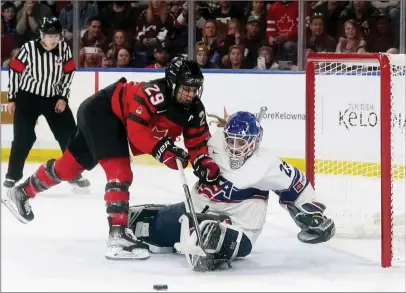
355 145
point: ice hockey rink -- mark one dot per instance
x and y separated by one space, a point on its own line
63 250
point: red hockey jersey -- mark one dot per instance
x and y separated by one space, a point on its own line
148 115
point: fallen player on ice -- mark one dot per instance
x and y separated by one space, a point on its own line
232 214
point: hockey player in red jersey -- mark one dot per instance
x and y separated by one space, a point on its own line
148 116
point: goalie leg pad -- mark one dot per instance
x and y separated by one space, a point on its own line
221 242
157 225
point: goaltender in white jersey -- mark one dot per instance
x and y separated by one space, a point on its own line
232 213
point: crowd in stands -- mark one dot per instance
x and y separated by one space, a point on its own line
259 35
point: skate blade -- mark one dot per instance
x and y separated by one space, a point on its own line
117 256
14 212
80 190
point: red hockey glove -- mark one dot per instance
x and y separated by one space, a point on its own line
166 152
206 169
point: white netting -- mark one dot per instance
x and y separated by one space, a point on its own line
347 147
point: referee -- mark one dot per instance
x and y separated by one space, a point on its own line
39 84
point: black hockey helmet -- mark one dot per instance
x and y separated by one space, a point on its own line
184 72
50 26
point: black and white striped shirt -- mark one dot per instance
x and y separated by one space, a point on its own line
41 72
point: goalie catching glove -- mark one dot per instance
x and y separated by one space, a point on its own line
206 169
316 227
167 152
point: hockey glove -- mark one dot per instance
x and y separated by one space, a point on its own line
166 152
316 227
206 169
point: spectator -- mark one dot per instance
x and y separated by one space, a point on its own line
213 5
361 12
227 11
264 60
161 57
203 13
8 44
105 63
257 9
18 4
120 15
123 58
392 9
210 40
60 5
91 57
235 36
12 55
253 40
56 6
175 8
8 16
178 42
317 39
381 37
202 57
87 11
282 28
28 19
236 57
331 11
154 26
352 40
93 36
120 41
393 51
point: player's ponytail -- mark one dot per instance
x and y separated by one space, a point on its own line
221 122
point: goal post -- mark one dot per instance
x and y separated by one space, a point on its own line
355 144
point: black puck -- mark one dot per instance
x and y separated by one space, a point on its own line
160 287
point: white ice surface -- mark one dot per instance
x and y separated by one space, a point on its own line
63 250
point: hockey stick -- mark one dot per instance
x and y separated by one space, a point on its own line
181 247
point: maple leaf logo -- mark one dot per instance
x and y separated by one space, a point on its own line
285 24
158 133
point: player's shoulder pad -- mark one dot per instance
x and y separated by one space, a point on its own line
157 93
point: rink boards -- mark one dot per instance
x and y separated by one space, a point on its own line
347 120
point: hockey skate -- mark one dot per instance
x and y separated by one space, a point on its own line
80 184
123 245
17 201
9 183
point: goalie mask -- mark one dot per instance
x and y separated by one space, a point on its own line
242 134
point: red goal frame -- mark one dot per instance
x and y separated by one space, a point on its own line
385 133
